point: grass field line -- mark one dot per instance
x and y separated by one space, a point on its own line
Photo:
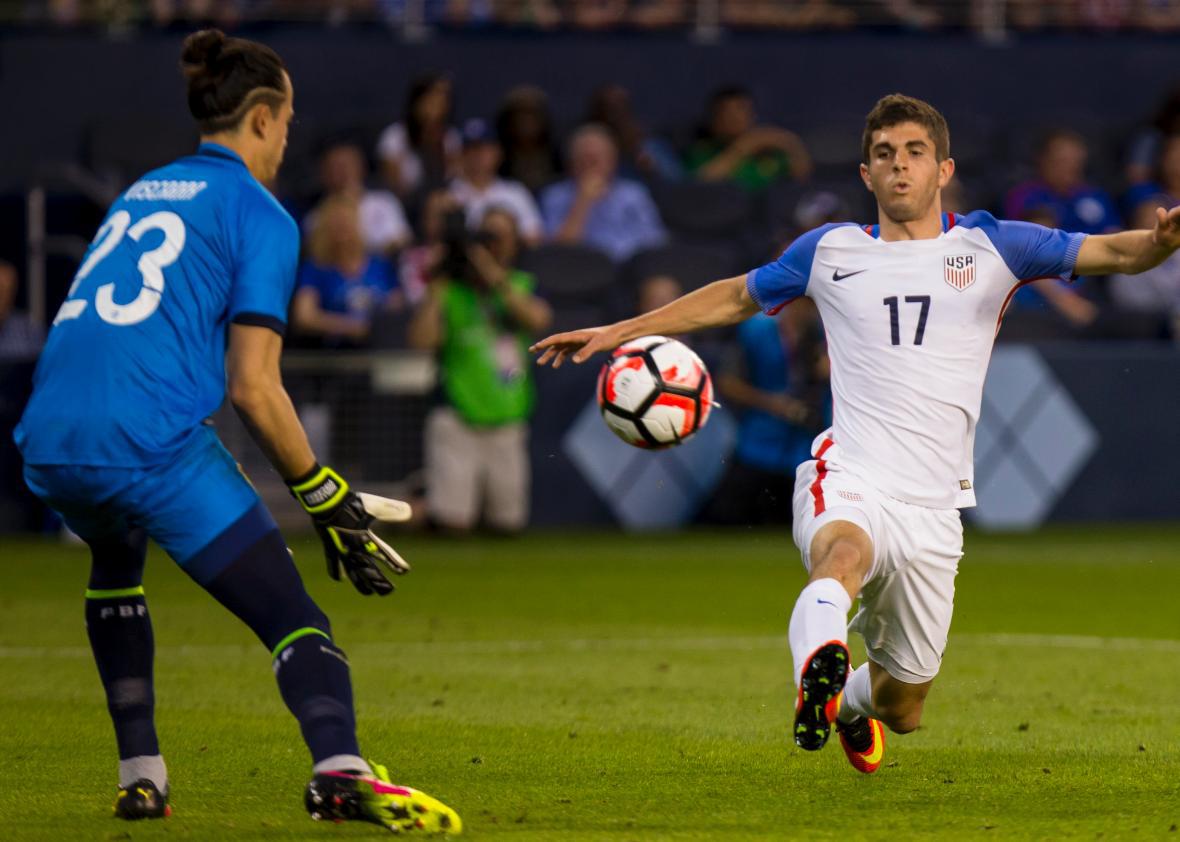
625 644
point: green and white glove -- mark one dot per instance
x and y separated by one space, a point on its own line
343 518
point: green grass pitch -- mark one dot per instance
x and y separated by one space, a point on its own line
611 687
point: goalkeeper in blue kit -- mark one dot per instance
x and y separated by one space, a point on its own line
182 295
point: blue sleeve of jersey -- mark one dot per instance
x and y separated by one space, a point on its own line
776 284
1030 250
264 274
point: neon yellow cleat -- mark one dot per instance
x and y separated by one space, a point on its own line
141 800
351 796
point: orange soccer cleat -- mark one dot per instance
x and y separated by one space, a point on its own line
864 743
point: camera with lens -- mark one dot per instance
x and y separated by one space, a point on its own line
457 238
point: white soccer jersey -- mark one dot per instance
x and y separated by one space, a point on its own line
910 327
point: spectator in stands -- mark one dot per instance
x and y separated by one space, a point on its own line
1158 15
596 207
20 336
596 14
478 188
658 14
181 13
1060 186
914 15
479 315
734 148
536 14
641 155
775 14
384 228
342 287
525 128
776 378
656 291
1144 149
1156 291
422 150
1164 185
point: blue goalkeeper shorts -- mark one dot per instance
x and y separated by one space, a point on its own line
198 506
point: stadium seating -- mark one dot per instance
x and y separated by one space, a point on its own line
125 146
710 209
576 280
692 265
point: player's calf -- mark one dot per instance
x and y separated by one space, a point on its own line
898 704
900 717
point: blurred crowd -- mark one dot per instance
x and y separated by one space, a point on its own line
987 16
386 218
470 238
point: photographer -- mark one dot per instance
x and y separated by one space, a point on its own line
478 316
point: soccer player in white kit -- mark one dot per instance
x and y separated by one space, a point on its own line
911 307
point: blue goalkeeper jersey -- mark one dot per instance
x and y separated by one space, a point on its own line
135 360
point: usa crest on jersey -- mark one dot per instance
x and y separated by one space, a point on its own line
959 270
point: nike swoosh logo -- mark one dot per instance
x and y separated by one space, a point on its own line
825 602
836 276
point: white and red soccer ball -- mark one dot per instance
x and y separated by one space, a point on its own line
654 392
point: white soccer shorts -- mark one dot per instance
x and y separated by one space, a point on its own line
907 599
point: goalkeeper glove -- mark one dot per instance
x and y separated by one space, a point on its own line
343 519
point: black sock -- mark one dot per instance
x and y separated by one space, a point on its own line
263 589
120 632
315 683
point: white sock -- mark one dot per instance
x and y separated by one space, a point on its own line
858 695
342 763
820 616
150 766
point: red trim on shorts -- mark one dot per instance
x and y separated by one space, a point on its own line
821 470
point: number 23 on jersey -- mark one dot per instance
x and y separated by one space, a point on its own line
151 268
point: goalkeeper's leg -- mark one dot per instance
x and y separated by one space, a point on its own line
261 586
120 632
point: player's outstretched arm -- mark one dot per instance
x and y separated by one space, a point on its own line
1131 252
720 303
342 517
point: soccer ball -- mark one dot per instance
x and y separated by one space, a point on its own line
654 392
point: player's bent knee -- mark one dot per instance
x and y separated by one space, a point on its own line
263 589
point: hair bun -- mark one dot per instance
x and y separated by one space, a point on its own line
201 49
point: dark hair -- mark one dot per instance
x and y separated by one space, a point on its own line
1059 134
725 92
419 88
229 76
895 109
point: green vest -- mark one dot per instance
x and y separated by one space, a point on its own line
484 359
